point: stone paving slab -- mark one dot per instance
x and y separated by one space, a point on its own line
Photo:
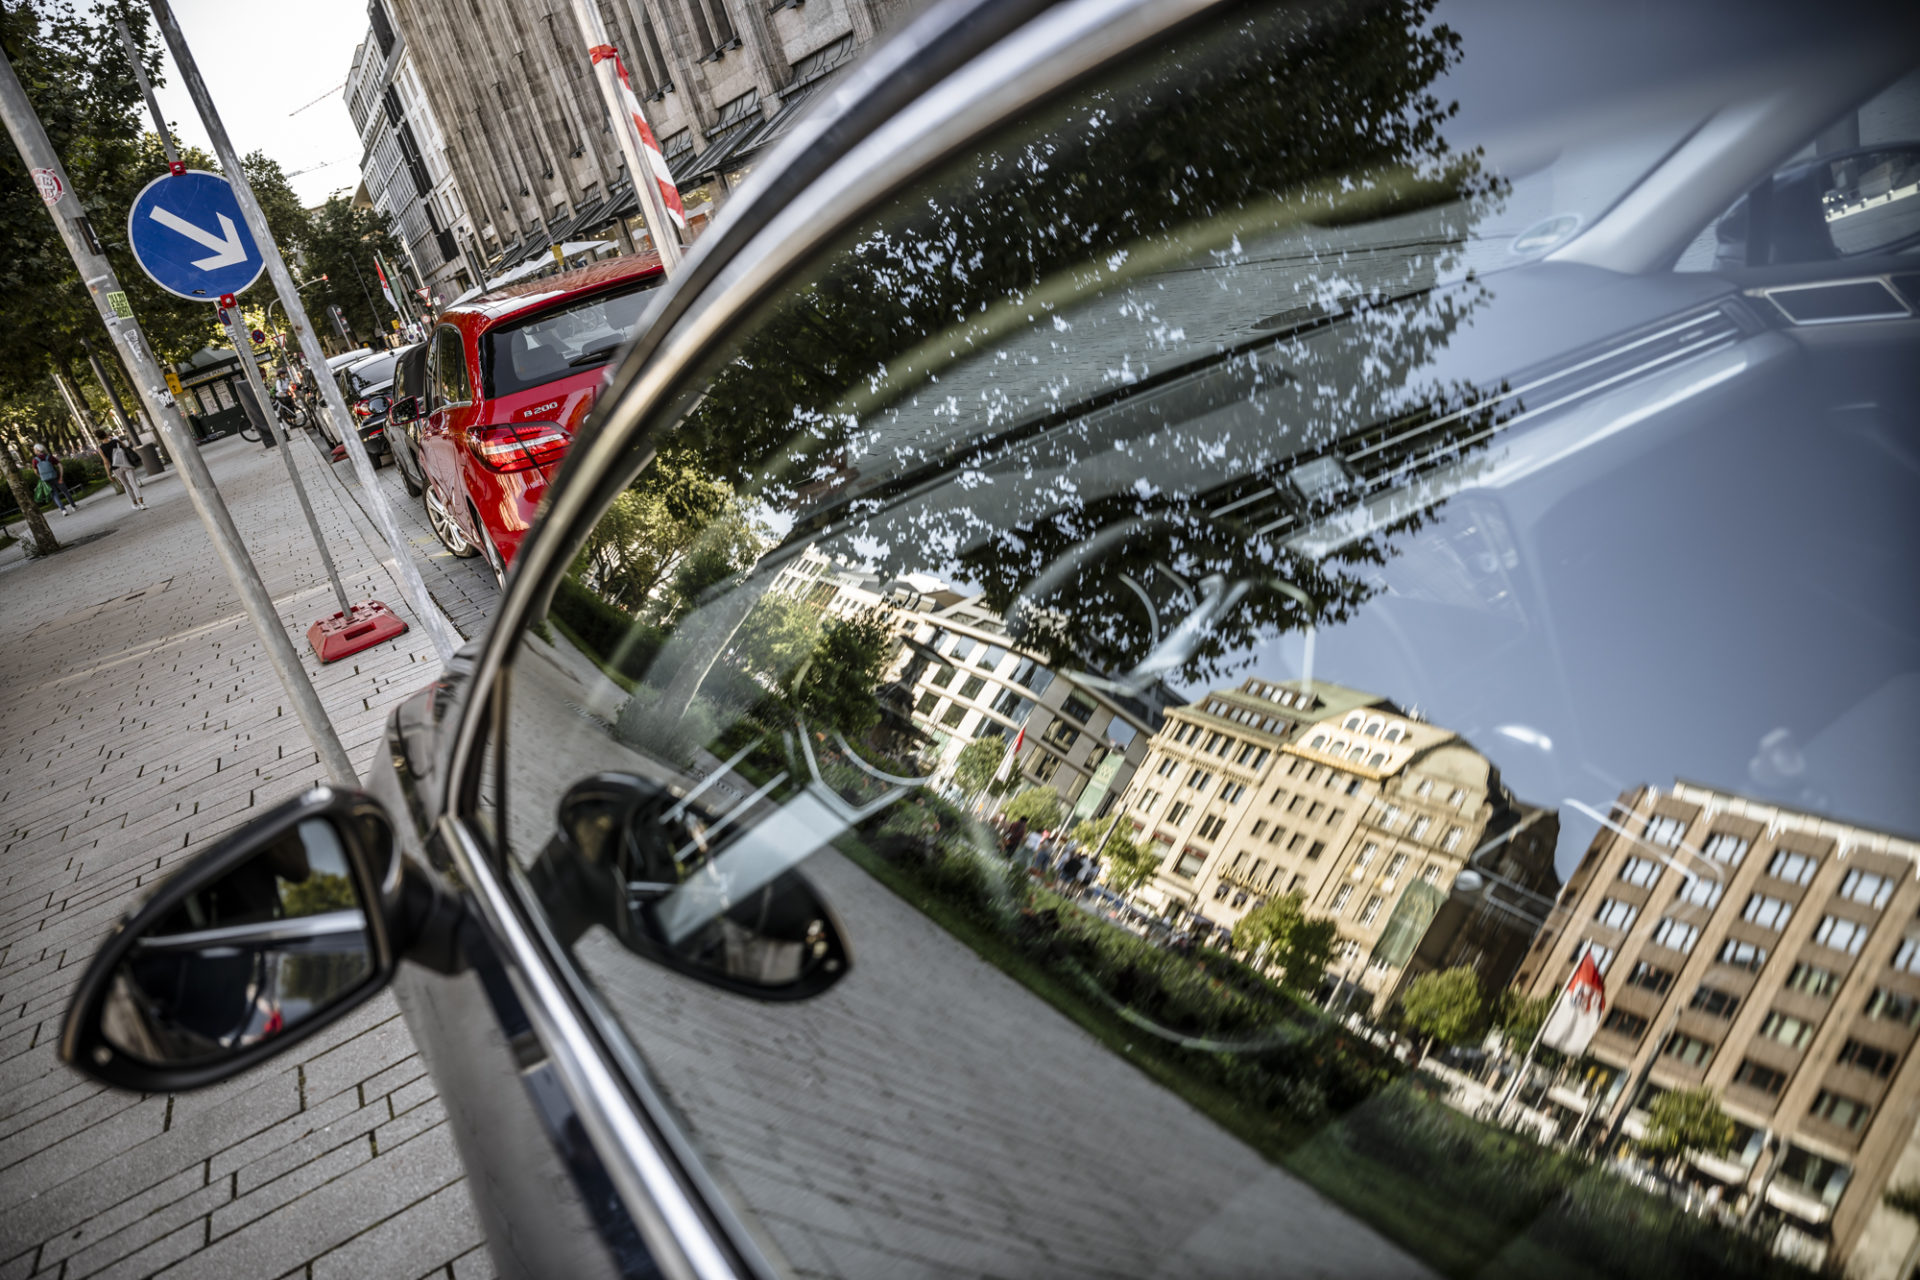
141 723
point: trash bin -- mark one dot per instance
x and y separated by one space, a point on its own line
150 457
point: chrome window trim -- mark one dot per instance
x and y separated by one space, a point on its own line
674 1227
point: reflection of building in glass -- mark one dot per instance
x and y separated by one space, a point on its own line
963 679
1369 812
1772 955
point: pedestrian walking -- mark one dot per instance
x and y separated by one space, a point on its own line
53 477
120 459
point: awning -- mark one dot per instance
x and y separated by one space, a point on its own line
736 147
521 272
573 248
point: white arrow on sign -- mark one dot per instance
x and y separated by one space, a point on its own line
227 246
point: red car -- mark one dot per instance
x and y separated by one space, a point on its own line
509 377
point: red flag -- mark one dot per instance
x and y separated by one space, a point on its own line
1576 1014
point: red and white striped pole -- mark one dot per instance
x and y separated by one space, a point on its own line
652 181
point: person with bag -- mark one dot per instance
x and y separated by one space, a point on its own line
117 452
53 479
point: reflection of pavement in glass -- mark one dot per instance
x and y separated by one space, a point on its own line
928 1115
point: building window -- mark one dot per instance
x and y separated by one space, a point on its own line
1687 1049
1714 1002
1210 826
1046 766
1013 706
990 657
1364 858
954 715
1389 814
1630 1025
1259 758
1677 935
1838 1109
1079 706
1700 892
1452 840
1372 909
1177 813
1189 865
1795 868
1430 874
972 687
1313 810
1755 1076
928 701
1642 872
1652 977
1458 799
1061 735
1147 800
962 646
1334 816
1665 832
1031 676
1722 847
1841 934
1232 791
1167 766
1316 849
1742 955
1874 1061
1788 1030
1867 889
1198 779
1396 865
1602 956
1906 958
1768 913
1221 890
1419 829
1616 914
1812 980
1259 828
1340 897
1892 1006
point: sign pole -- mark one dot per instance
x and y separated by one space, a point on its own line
645 165
237 334
411 584
109 299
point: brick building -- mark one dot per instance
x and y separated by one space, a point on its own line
1369 812
1772 955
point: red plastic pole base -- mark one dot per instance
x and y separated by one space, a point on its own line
364 626
339 453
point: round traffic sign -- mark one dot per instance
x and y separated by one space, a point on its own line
189 236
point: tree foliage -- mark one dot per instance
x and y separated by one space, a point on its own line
1520 1018
1683 1120
1299 945
1041 807
1444 1006
1129 862
834 687
340 243
977 764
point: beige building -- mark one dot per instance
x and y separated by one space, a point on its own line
1772 955
530 146
1369 812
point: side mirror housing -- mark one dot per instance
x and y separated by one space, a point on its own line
279 930
404 410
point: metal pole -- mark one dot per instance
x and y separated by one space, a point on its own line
624 107
112 392
411 584
237 334
30 137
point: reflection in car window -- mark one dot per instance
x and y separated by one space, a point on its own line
554 344
451 385
1359 588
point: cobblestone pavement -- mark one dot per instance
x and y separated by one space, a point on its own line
142 722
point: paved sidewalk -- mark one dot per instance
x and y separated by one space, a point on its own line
142 722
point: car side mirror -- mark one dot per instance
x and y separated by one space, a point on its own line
628 856
277 931
404 410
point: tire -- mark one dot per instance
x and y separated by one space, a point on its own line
445 529
248 433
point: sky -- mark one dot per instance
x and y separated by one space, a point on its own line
262 64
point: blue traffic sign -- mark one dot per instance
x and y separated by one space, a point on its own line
189 236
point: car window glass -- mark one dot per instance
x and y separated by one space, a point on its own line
556 344
451 385
1175 595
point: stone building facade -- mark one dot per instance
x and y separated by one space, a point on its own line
1772 955
1371 814
404 169
530 145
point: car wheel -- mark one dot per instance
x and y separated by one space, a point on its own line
446 529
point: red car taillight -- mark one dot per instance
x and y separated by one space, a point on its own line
361 409
519 447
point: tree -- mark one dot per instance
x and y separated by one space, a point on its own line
341 242
1041 807
834 688
1683 1120
1444 1006
1129 862
1300 946
979 761
1520 1018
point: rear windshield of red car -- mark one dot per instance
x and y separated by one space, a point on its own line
554 344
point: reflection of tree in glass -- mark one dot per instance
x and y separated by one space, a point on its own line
321 891
1271 140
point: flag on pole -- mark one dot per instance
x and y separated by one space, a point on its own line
1576 1014
649 146
380 271
1001 774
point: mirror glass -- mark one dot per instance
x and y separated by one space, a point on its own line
632 858
274 942
405 409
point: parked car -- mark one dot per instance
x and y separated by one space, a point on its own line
511 376
367 387
1464 423
334 365
409 384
